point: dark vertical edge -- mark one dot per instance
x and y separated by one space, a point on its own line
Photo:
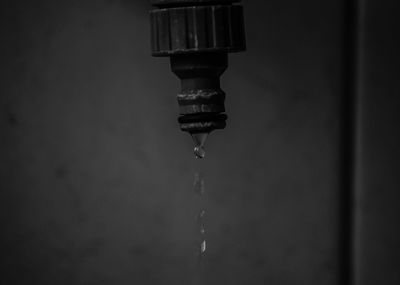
154 33
178 28
348 110
237 28
220 14
163 30
358 89
242 28
192 40
230 31
210 26
196 30
187 35
201 27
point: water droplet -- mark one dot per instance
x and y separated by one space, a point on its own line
199 140
199 152
203 246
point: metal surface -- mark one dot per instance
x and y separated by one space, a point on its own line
197 35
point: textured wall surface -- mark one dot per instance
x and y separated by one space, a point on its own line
96 177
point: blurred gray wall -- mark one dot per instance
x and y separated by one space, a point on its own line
377 191
97 180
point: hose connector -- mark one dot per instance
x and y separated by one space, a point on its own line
197 35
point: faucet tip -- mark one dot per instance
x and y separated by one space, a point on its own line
199 140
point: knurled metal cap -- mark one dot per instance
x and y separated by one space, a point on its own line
192 29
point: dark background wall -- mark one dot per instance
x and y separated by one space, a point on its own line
377 210
96 178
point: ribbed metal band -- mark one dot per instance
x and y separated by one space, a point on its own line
201 101
182 30
202 123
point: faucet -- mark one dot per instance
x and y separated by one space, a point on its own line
197 35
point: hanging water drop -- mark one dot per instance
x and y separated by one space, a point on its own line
199 152
199 140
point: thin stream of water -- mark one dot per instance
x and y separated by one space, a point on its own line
199 189
199 140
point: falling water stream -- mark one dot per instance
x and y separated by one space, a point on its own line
198 186
199 189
